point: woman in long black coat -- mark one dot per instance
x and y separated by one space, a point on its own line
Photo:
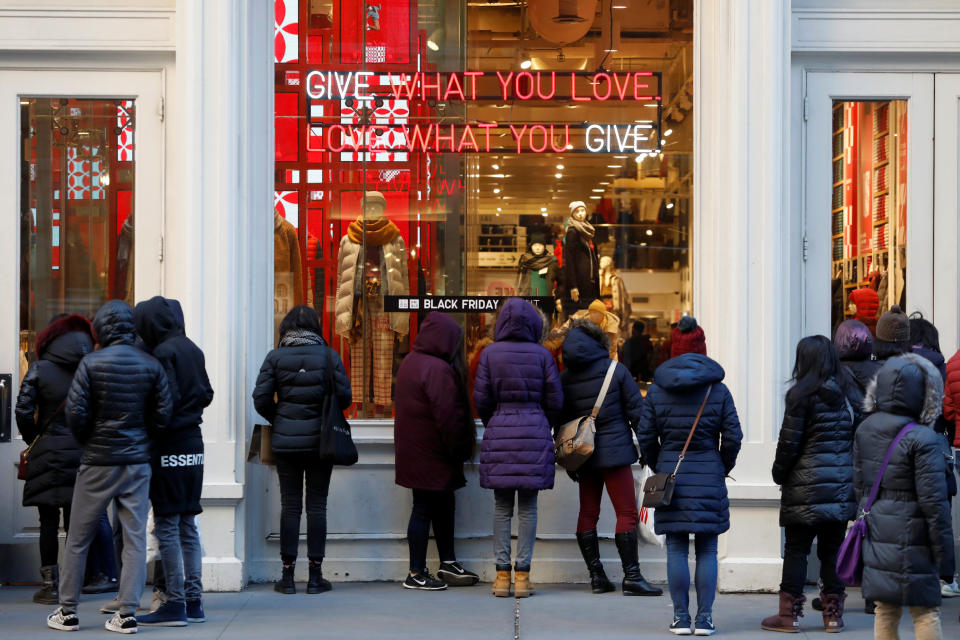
55 456
291 386
909 543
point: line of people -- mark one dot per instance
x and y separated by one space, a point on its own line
117 425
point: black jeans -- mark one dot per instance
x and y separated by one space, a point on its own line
50 532
291 468
799 540
437 507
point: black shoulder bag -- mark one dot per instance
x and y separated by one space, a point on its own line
336 444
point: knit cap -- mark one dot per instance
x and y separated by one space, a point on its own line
894 326
575 204
597 305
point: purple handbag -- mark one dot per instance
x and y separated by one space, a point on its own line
850 556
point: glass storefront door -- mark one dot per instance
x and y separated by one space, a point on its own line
82 166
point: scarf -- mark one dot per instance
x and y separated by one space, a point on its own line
531 262
584 227
378 232
300 337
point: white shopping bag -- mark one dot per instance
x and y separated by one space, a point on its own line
645 532
153 546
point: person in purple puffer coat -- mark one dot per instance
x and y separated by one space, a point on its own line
518 396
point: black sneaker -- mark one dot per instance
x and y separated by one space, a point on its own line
169 614
455 575
101 584
704 627
424 581
195 611
680 626
63 621
120 623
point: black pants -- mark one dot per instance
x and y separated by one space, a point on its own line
437 507
50 532
292 468
799 540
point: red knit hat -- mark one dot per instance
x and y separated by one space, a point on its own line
688 337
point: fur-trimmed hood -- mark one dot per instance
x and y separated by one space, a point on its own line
907 385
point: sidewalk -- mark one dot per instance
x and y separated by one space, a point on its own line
385 610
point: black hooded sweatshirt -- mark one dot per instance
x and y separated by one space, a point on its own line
178 452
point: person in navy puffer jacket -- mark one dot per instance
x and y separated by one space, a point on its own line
518 396
700 505
586 355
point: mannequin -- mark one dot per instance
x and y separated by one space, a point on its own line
537 270
611 284
372 263
581 269
596 312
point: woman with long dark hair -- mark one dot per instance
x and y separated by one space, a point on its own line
291 386
814 468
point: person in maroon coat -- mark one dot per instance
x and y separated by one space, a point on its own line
434 434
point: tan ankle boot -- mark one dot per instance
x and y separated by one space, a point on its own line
501 586
522 586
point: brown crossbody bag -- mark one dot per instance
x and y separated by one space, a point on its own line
658 489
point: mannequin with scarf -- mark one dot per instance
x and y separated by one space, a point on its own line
372 263
614 293
581 267
537 270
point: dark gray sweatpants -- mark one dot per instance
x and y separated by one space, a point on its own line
96 487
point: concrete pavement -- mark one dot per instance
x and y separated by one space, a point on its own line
386 610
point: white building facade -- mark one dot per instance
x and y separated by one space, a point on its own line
769 77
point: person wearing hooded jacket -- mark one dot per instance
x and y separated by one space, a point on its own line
586 353
55 452
908 548
289 393
177 461
700 505
854 343
118 401
434 435
687 337
814 468
518 396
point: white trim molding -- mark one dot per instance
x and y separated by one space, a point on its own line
87 29
845 29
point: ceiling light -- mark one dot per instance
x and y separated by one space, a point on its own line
667 132
670 206
610 50
594 197
544 215
652 104
643 244
619 6
598 190
433 46
495 166
498 175
558 175
603 183
641 157
649 232
662 142
499 209
613 166
620 157
496 189
569 146
436 37
560 167
525 61
543 208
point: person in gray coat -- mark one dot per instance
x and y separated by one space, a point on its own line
909 542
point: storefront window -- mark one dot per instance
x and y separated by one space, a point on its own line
436 149
869 210
76 209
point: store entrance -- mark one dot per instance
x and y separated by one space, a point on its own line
881 205
81 158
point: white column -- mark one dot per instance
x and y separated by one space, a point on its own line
743 253
219 241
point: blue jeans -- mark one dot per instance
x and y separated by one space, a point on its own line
678 573
526 531
180 543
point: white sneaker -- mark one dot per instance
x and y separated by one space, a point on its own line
951 590
62 621
122 624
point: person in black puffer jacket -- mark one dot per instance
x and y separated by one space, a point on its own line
297 373
117 400
586 355
177 462
55 455
814 468
700 505
909 542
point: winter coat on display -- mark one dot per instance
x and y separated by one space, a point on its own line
382 235
286 254
586 356
530 280
814 460
518 396
432 432
700 503
951 395
298 375
909 542
55 457
119 396
177 479
581 266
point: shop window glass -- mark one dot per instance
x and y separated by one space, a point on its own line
869 209
76 209
428 148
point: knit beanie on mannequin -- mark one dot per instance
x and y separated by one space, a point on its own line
597 306
688 337
575 204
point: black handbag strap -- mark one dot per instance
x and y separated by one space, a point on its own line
692 429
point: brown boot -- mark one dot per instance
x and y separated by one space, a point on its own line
501 586
833 611
788 619
522 587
